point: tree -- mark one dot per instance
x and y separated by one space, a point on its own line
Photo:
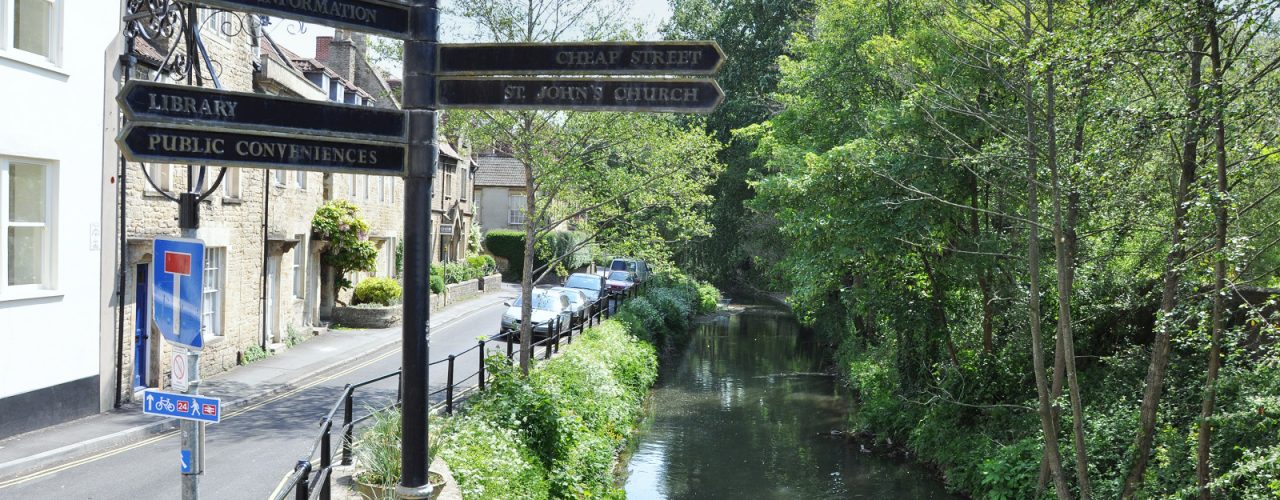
633 182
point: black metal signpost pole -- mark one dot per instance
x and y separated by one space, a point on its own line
420 103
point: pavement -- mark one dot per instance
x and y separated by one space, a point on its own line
338 352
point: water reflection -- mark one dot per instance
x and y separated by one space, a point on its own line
747 412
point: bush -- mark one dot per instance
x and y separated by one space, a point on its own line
437 284
381 291
339 223
708 298
508 245
490 460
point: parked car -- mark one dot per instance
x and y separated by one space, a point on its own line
577 299
550 309
591 284
620 281
635 266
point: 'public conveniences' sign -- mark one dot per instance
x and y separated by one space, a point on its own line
370 16
631 94
143 142
589 58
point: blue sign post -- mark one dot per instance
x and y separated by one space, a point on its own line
183 406
177 284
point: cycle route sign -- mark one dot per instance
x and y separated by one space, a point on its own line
183 406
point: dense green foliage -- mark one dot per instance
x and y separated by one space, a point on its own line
897 171
508 245
349 250
380 291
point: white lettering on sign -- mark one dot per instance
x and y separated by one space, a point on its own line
588 57
666 57
655 94
204 108
334 8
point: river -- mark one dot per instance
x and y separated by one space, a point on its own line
746 411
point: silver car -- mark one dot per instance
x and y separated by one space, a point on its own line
577 299
550 309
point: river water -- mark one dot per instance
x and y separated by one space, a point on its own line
746 411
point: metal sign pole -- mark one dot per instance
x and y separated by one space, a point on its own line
192 454
419 101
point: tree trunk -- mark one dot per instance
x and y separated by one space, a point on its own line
1220 260
526 278
1169 295
1033 264
1066 275
939 308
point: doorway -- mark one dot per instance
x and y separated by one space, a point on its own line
273 299
141 319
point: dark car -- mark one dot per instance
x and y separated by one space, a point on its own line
620 281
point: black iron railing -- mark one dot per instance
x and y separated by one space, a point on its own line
310 480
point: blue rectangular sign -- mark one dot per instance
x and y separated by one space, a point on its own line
177 285
184 406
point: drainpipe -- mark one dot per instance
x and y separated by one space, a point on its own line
266 211
129 60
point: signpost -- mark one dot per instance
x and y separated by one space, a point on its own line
582 58
163 103
370 16
182 406
618 94
196 144
174 124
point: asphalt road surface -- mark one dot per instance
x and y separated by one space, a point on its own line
254 447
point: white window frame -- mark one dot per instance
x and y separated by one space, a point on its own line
214 293
279 178
299 268
214 25
300 180
450 172
48 264
231 184
515 211
161 173
353 185
10 50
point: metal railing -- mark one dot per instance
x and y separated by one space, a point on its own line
310 480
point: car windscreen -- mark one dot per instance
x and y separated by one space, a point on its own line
620 276
588 282
541 301
618 265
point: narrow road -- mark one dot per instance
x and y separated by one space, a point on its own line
254 447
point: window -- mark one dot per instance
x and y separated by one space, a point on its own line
231 184
353 186
382 189
32 27
220 23
279 177
300 180
161 176
515 208
26 225
300 267
211 303
450 169
364 187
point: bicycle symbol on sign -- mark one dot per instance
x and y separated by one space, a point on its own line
165 404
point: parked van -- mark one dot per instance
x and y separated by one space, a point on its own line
638 268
